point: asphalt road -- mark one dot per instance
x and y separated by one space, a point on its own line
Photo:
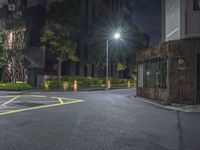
105 120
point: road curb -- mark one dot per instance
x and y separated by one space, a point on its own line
145 100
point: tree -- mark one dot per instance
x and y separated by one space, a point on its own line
122 53
61 25
12 39
3 58
12 45
55 38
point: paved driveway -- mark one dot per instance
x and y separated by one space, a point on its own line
102 120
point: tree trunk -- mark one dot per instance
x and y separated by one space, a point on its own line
3 74
59 67
13 70
96 71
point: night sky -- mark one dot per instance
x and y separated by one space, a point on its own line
147 16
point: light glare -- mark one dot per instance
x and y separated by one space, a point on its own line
116 35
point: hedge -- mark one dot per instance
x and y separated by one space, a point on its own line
84 82
14 87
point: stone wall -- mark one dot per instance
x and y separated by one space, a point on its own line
152 93
181 70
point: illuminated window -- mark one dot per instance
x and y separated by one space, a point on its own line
196 5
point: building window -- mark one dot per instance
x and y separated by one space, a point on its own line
196 4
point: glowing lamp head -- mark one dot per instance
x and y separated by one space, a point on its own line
117 36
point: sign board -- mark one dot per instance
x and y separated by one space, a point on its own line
181 68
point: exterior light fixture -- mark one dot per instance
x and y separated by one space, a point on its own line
116 36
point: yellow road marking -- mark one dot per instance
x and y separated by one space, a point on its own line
3 111
65 98
40 96
4 104
39 101
39 107
60 100
6 96
71 99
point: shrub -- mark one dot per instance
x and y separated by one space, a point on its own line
52 84
68 81
14 87
84 82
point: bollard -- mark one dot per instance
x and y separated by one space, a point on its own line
46 85
109 84
75 85
129 84
65 85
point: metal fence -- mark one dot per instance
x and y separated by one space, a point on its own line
152 73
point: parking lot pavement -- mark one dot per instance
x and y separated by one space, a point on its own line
10 104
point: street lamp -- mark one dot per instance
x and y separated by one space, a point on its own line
116 36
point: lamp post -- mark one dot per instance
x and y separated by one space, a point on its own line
115 36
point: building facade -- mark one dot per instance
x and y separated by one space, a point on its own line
90 11
171 70
40 63
180 19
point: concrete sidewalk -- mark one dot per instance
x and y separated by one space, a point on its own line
172 106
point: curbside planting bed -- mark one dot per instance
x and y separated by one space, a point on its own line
86 82
14 87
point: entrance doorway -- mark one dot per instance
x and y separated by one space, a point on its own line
198 78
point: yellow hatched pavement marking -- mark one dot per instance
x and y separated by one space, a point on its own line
65 98
39 107
6 96
7 102
60 100
39 96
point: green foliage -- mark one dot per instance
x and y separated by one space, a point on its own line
3 59
121 67
121 52
3 56
56 39
12 43
66 13
52 84
61 23
2 38
85 82
14 87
